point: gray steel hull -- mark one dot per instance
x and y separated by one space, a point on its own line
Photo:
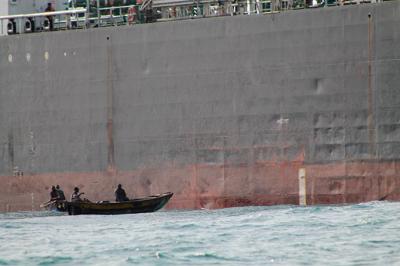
221 111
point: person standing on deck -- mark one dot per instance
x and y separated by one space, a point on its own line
120 194
50 8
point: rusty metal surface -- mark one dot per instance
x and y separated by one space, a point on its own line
222 112
201 186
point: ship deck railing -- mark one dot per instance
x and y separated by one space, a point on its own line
158 10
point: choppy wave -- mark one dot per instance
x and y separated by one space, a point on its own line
361 234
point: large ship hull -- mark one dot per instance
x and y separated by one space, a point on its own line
300 107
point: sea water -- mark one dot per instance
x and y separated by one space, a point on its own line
361 234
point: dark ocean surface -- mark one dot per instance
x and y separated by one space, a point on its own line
362 234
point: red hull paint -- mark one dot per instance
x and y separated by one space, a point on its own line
216 186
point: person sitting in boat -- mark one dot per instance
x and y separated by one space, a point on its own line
53 194
60 193
120 194
76 196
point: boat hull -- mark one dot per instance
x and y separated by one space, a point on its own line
141 205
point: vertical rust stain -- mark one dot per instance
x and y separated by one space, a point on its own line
11 151
110 107
224 149
110 153
371 125
194 187
344 191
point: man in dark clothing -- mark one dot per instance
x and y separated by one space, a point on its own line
53 194
49 8
120 194
60 193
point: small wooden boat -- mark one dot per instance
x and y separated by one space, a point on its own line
139 205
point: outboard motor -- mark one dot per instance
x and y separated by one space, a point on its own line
11 27
46 24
